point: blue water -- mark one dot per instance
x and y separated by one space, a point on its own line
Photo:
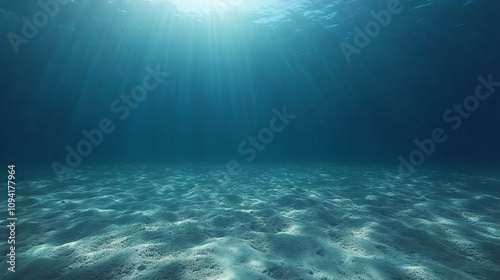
231 139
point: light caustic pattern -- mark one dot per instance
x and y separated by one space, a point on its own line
317 221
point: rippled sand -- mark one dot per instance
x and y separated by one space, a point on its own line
314 221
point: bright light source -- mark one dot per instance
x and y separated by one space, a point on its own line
222 6
206 6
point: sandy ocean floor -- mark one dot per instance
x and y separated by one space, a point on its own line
281 221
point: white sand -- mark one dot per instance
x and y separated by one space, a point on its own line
271 222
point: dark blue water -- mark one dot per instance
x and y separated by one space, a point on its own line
200 100
228 70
